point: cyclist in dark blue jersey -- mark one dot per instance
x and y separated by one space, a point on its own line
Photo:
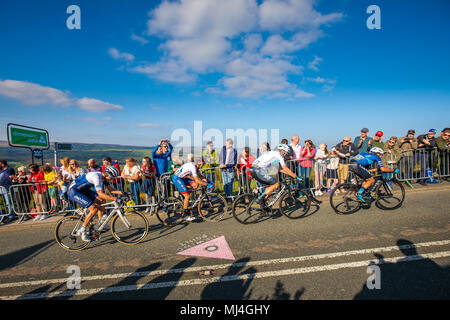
360 165
87 192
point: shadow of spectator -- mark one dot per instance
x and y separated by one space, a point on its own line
280 293
230 286
412 277
12 259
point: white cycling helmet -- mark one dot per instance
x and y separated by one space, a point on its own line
283 147
376 150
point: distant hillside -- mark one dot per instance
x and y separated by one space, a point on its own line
81 152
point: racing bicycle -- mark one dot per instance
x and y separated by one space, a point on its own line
128 227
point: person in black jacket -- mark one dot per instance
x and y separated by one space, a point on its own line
426 154
345 150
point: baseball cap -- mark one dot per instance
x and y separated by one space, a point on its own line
432 131
411 131
379 133
364 130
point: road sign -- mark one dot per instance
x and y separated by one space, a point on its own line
37 153
27 137
63 146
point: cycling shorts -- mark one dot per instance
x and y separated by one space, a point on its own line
182 183
359 170
84 198
263 176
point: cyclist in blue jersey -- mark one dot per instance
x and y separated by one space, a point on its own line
87 192
360 165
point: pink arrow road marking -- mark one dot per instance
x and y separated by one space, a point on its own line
216 248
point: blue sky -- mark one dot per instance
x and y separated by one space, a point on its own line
136 71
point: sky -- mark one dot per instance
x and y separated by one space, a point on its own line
137 70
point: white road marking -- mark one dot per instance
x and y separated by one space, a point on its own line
229 265
256 275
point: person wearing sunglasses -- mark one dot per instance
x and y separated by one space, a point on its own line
345 150
443 145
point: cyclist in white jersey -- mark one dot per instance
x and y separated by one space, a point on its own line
188 175
261 170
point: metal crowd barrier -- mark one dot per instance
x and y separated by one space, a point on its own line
5 203
424 164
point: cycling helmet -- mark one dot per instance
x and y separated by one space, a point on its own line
112 171
376 150
283 147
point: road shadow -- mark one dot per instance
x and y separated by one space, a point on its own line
157 289
18 257
280 293
412 277
233 285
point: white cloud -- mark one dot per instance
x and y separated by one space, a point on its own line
139 39
94 105
313 64
247 43
149 125
93 121
32 94
117 55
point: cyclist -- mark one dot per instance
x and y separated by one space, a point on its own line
188 175
262 167
360 167
80 192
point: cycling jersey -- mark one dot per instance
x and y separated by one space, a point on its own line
269 159
186 170
365 159
88 180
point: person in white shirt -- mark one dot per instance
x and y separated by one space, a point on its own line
132 173
320 167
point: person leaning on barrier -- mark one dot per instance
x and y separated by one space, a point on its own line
5 183
427 156
210 160
443 145
407 145
38 188
23 193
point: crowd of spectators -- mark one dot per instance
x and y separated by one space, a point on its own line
49 185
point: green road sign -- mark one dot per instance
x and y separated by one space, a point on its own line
27 137
63 146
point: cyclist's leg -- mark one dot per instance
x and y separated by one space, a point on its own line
363 173
181 186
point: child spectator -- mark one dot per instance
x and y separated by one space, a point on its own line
51 179
320 167
332 168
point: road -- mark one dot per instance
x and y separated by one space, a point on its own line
321 256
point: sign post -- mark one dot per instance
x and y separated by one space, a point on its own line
61 146
34 139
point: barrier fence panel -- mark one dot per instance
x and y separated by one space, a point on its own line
5 203
423 164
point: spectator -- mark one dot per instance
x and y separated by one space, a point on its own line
426 144
116 182
307 153
5 183
320 166
52 185
407 145
75 170
132 173
290 154
443 145
296 147
332 168
23 197
161 156
245 160
228 160
210 159
391 156
148 172
263 148
38 189
66 179
345 150
362 142
377 141
10 171
93 166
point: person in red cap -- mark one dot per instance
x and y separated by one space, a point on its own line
377 141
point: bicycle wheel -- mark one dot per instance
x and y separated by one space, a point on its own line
346 201
239 209
212 207
389 195
130 229
65 233
295 204
169 211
